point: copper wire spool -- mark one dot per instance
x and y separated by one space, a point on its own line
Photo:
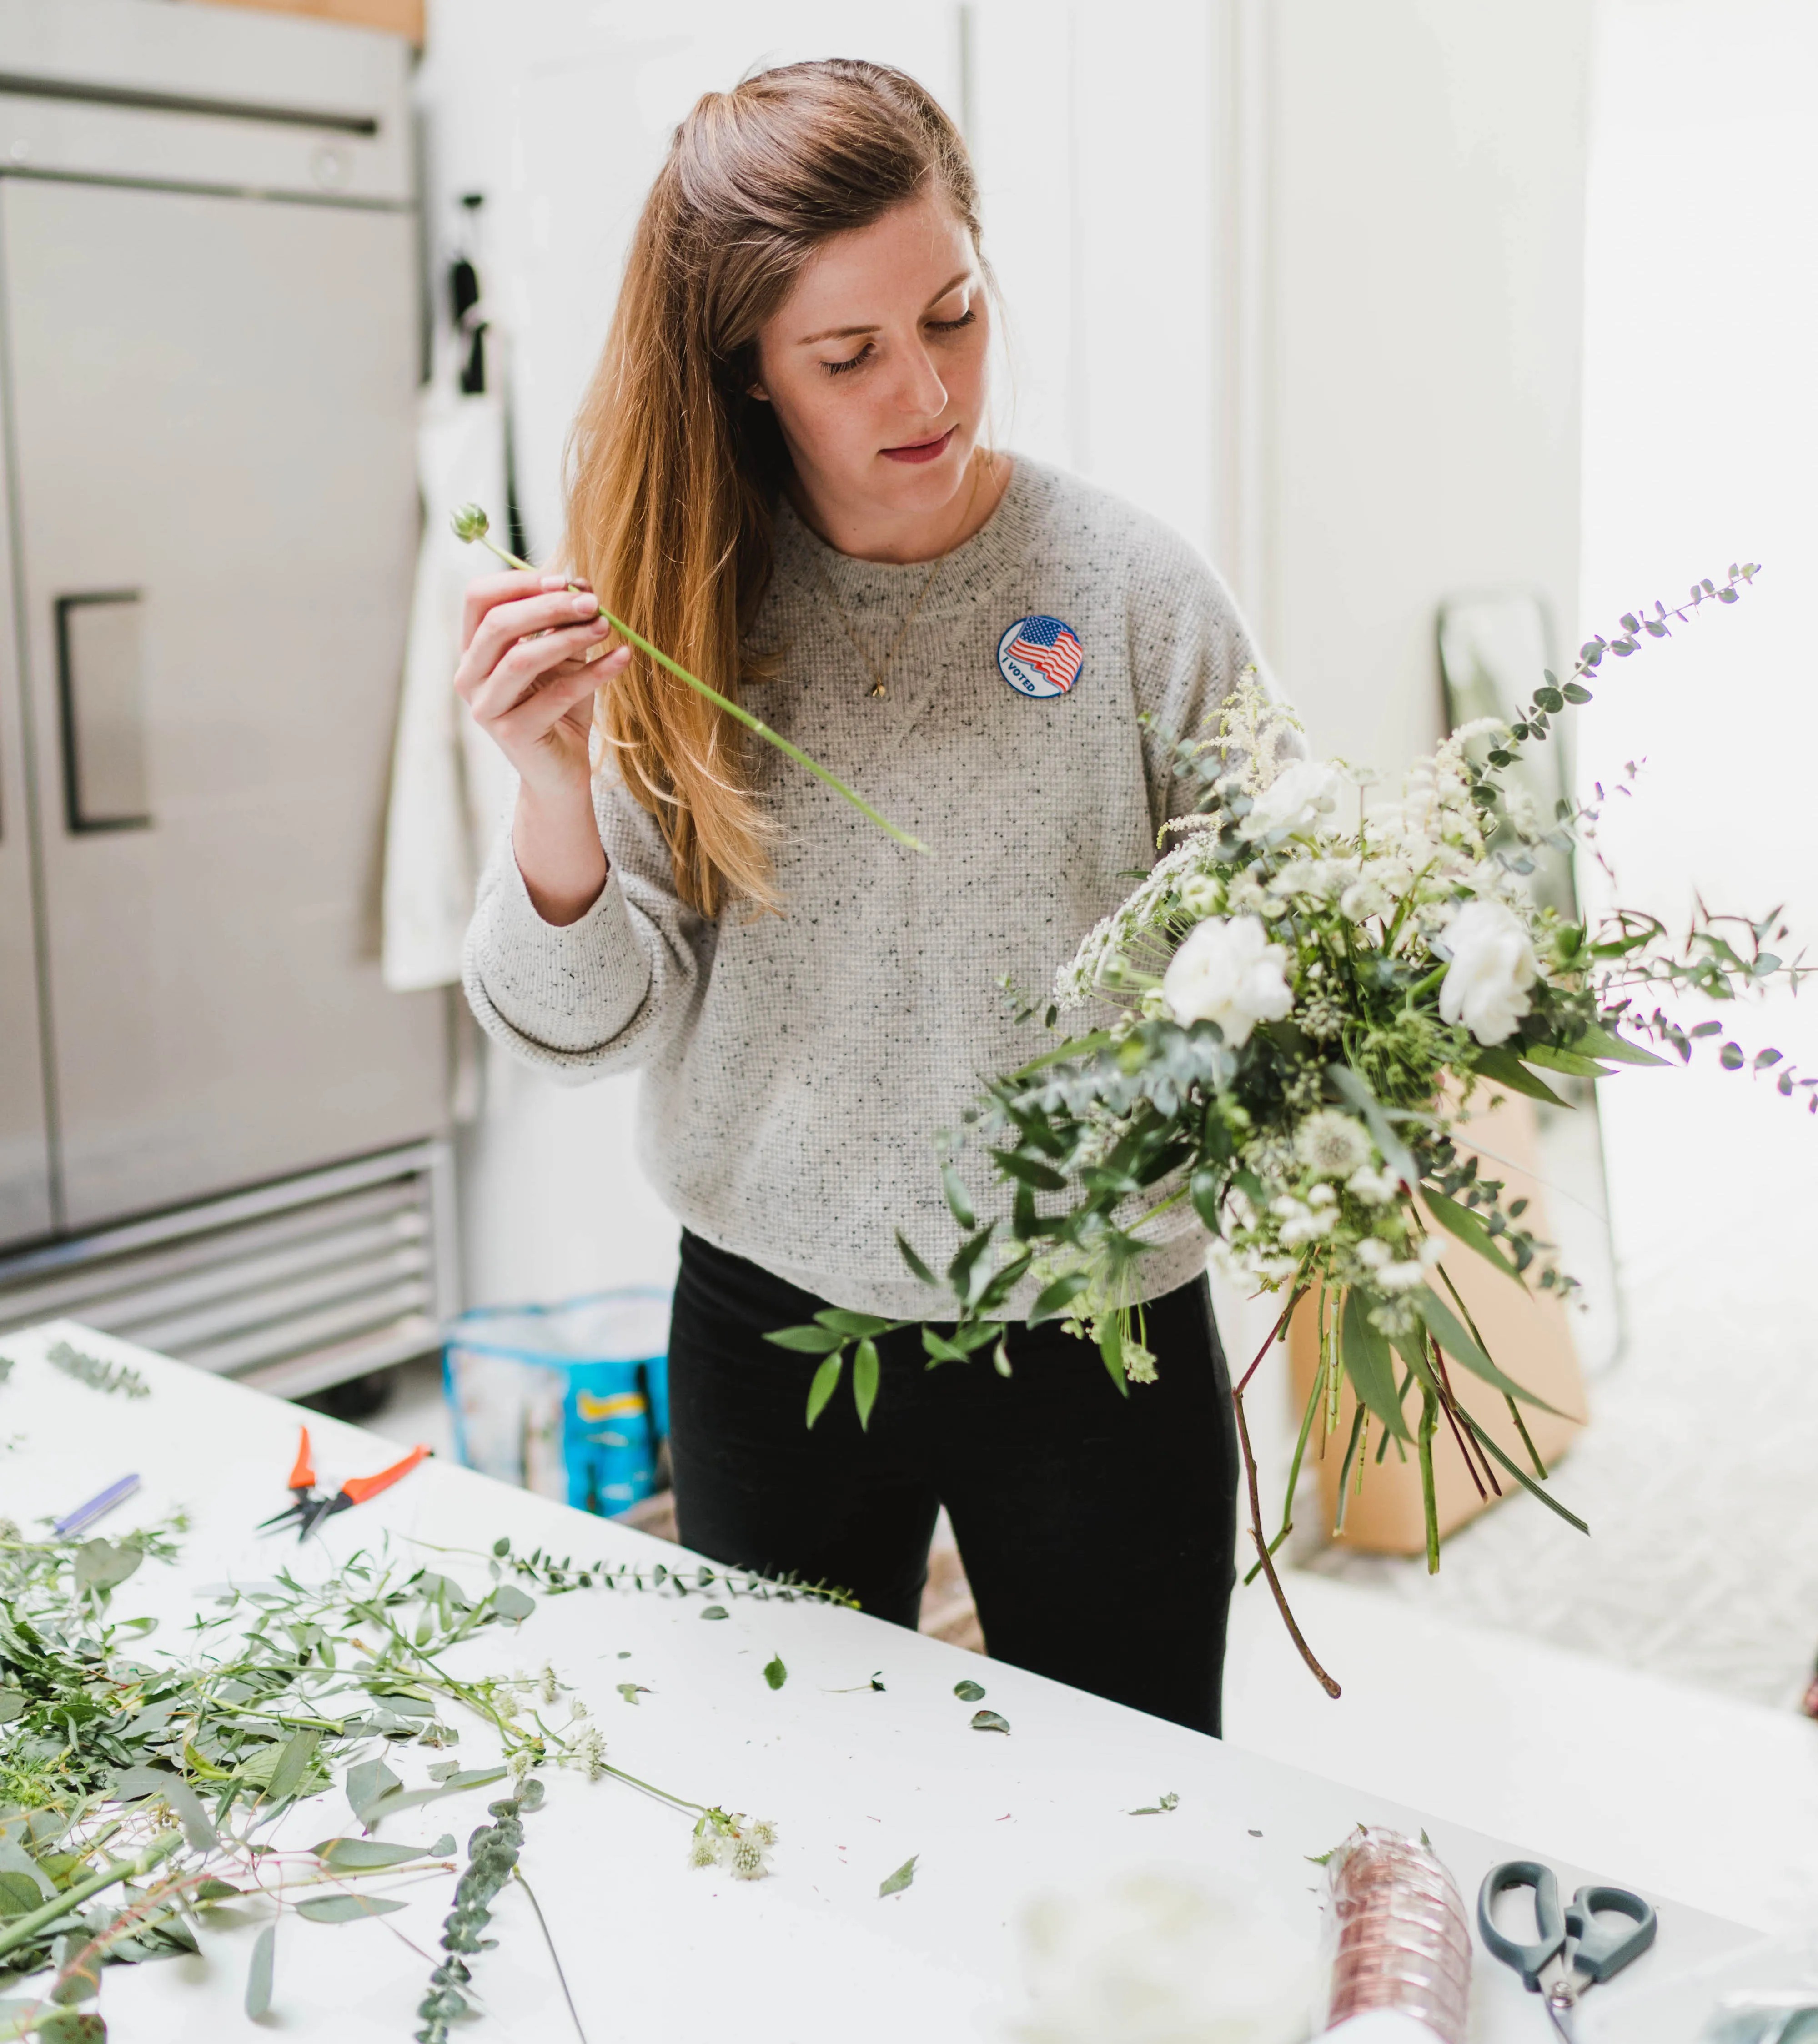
1404 1941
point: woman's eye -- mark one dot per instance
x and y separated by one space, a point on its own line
851 362
953 325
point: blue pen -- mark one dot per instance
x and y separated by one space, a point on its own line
97 1508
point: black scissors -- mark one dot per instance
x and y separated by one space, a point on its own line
1575 1948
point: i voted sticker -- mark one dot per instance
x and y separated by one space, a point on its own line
1040 656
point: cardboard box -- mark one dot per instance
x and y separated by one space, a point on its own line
1528 1335
401 17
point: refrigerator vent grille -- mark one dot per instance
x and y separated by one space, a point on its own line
291 1287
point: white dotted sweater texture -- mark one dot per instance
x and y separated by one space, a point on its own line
797 1068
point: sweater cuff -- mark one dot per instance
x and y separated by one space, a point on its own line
571 989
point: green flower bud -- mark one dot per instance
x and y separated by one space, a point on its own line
470 523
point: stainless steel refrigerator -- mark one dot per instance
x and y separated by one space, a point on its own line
209 345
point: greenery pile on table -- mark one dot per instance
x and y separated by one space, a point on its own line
140 1789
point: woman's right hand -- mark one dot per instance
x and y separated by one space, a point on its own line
530 664
530 660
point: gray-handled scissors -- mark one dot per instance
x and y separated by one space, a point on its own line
1574 1949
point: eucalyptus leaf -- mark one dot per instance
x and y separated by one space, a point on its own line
292 1766
102 1565
347 1908
969 1692
715 1610
774 1671
367 1783
958 1200
259 1973
366 1855
989 1721
894 1884
513 1604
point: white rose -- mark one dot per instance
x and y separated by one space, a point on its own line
1492 965
1297 798
1227 972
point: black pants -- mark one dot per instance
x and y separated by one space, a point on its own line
1097 1529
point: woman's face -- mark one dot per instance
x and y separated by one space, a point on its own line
876 363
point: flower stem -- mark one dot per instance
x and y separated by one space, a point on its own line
731 708
1429 1503
555 1956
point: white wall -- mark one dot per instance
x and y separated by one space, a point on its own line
1423 267
1701 440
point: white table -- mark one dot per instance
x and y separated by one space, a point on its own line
855 1782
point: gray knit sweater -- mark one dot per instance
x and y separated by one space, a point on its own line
797 1069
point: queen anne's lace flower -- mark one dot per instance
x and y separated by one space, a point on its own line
1332 1144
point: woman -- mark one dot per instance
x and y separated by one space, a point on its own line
779 476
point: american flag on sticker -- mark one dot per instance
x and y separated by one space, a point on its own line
1040 656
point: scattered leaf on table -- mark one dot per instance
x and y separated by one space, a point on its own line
198 1831
899 1879
969 1692
364 1855
370 1780
259 1973
292 1765
774 1671
100 1564
1160 1808
714 1611
217 1891
512 1604
632 1691
989 1721
346 1908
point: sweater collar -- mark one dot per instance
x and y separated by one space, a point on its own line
889 587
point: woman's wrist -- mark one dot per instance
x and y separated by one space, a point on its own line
556 841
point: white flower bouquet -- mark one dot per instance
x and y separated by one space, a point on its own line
1298 1002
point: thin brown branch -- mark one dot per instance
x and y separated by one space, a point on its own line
1325 1681
1448 1405
1275 1333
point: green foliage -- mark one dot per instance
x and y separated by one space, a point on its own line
121 1378
1304 1106
492 1859
136 1784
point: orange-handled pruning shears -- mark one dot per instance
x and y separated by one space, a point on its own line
310 1508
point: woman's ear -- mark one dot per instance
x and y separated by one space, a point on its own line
757 390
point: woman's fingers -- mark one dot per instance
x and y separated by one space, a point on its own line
525 670
561 693
487 592
506 623
532 698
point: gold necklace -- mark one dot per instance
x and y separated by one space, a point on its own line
879 669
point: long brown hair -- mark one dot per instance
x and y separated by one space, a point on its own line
673 468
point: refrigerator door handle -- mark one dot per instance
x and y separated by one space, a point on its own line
101 698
